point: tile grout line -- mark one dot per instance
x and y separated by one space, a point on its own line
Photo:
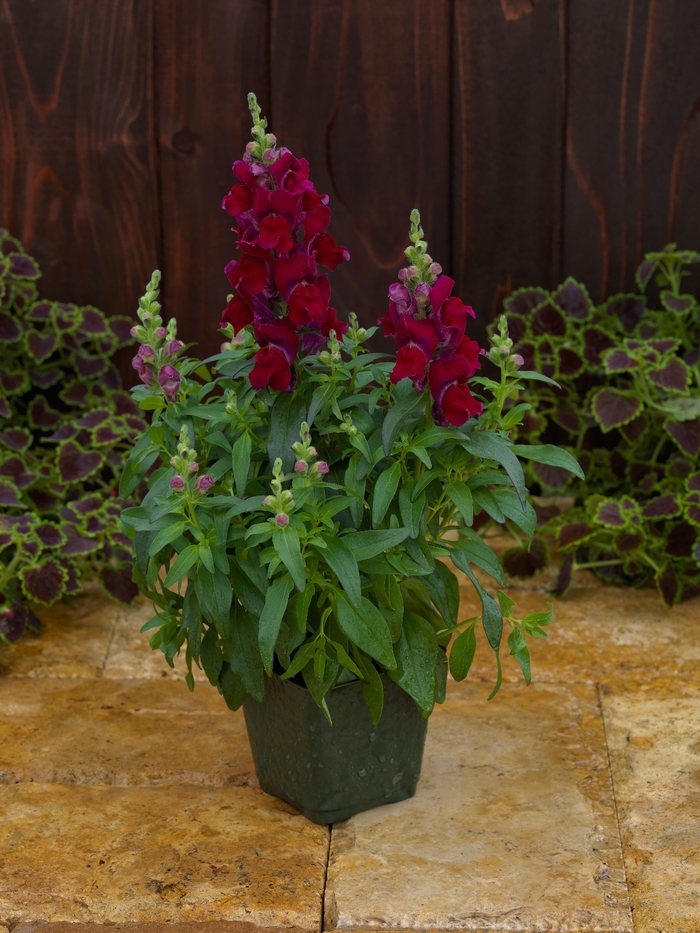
614 796
325 879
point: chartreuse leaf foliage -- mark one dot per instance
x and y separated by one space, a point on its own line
627 406
325 542
66 429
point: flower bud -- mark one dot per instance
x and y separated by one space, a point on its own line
321 467
193 467
161 332
169 381
141 368
204 482
282 519
301 466
250 148
134 331
177 483
173 347
269 156
503 351
518 359
267 500
146 351
435 268
174 462
313 452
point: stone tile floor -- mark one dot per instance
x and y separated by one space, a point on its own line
571 806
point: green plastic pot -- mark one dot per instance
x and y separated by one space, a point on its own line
331 772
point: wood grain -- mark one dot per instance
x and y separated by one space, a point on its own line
633 140
78 155
362 90
209 55
509 98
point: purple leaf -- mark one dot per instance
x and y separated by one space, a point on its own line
634 429
43 500
627 541
45 378
72 584
66 317
121 328
628 309
673 376
527 351
124 404
87 505
619 361
93 322
111 379
9 494
693 483
517 327
524 300
692 357
75 464
136 423
573 299
30 548
5 410
90 366
9 331
24 266
545 512
686 435
645 272
49 534
566 415
65 433
668 585
662 507
692 513
596 342
94 525
12 381
41 346
16 439
44 584
677 303
16 619
575 533
119 538
107 435
564 578
41 311
548 319
118 584
76 394
680 540
93 418
552 476
41 416
524 562
77 543
609 513
612 408
570 363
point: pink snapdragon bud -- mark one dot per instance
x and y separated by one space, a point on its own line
193 467
435 268
301 466
204 482
177 483
146 351
282 519
503 351
269 156
134 331
267 500
161 332
173 461
321 467
517 359
169 381
173 347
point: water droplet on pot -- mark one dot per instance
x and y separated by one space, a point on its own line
312 728
397 777
362 772
373 736
382 758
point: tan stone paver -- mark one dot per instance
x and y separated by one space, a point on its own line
74 641
512 828
120 732
118 854
653 731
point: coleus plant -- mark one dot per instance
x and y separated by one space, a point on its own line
65 431
309 493
627 405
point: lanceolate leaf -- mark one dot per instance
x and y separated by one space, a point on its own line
384 492
443 587
416 656
406 400
461 496
366 627
288 413
286 542
491 447
367 544
549 455
462 654
276 600
343 563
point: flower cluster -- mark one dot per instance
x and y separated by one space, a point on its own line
306 455
429 326
185 462
281 221
159 345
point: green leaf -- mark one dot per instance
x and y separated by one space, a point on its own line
372 686
506 603
300 659
384 492
462 654
184 561
212 658
286 542
192 621
519 650
471 548
406 400
461 496
232 688
288 413
485 499
165 536
319 400
246 591
276 600
551 455
491 617
538 377
215 596
416 652
152 403
343 563
368 544
244 653
490 447
425 480
510 506
366 627
443 587
240 458
206 556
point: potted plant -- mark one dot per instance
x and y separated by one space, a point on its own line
297 536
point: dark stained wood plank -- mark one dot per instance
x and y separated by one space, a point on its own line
362 90
209 55
509 98
633 142
77 154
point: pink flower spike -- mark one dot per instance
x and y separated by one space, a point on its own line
321 467
282 519
204 482
517 359
161 332
301 466
177 483
193 467
146 351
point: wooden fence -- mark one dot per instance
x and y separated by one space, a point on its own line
538 138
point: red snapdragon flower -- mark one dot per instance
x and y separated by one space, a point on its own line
281 224
429 324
